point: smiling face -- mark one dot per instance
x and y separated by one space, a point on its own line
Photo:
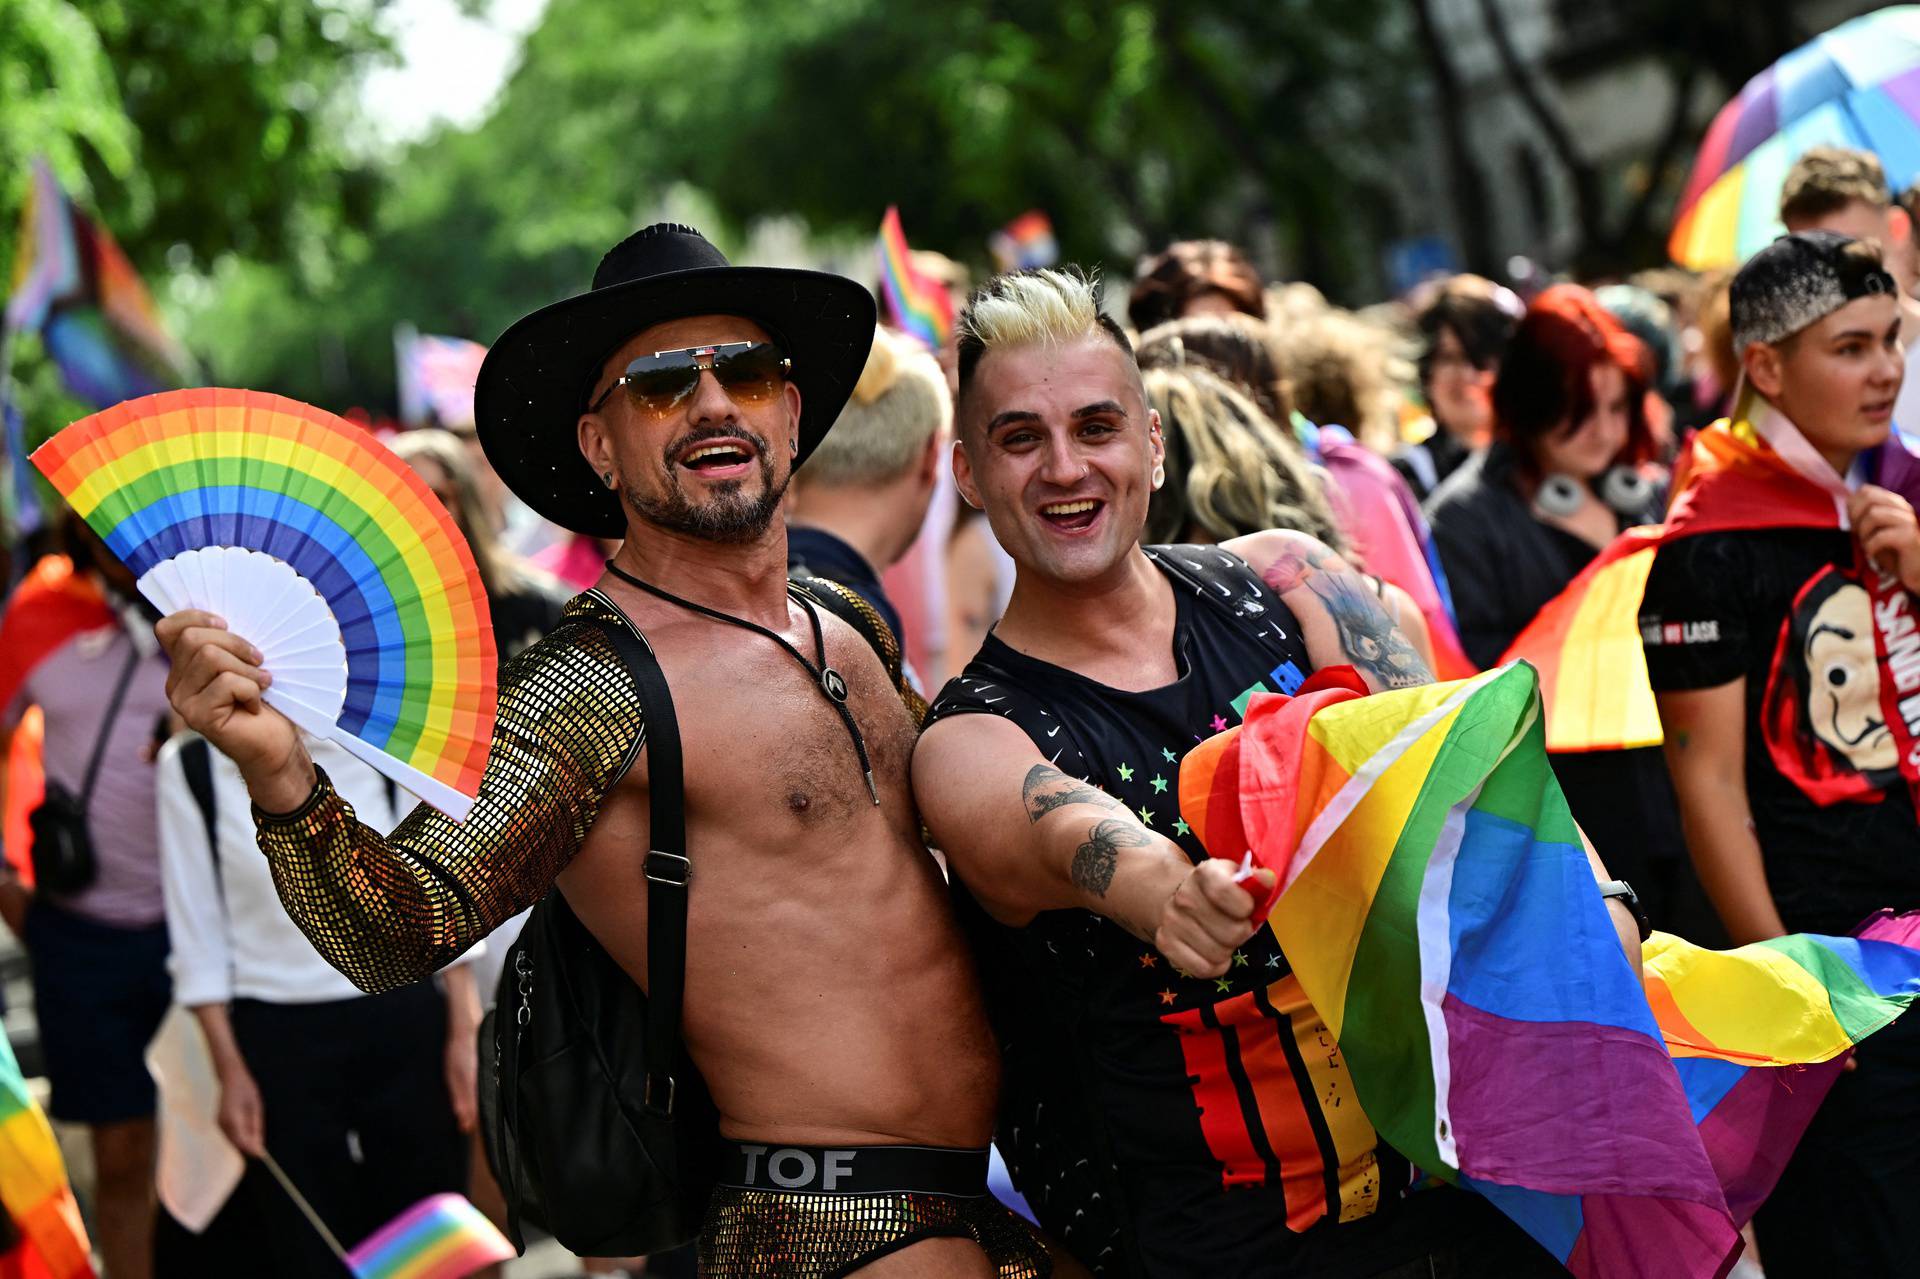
1057 444
711 466
1836 380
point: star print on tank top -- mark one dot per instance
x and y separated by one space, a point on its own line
1201 1121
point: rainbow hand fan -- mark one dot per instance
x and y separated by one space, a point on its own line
321 548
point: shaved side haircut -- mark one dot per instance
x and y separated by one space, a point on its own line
1044 306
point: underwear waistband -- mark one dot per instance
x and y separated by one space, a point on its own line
853 1170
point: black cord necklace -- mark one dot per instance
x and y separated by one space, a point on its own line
829 681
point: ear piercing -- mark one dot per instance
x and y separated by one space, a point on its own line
606 478
1159 476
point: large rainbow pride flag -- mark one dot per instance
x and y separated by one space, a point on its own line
33 1188
1435 900
73 285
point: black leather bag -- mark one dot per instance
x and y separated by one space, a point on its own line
62 852
597 1125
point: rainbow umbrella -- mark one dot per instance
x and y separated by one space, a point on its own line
1856 86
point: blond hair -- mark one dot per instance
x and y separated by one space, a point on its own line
1230 470
899 403
1826 180
1045 306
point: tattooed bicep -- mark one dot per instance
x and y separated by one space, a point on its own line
1047 788
1368 637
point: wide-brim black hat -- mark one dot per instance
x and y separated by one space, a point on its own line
536 379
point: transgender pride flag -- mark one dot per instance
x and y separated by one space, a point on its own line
1436 902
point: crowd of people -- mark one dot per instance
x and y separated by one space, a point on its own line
982 600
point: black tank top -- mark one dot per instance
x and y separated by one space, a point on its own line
1197 1125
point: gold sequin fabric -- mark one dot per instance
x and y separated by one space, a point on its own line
766 1234
390 911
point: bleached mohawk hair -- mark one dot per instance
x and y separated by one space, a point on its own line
1043 306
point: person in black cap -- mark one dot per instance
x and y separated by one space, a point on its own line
1777 587
830 1004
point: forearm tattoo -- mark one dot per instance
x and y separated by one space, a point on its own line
1093 861
1047 788
1369 638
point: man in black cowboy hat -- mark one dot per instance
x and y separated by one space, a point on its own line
830 1004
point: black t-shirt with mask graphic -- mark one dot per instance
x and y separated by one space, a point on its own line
1783 608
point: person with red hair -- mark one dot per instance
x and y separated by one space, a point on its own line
1570 467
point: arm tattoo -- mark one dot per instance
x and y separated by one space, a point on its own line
1371 640
1367 635
1047 788
1094 860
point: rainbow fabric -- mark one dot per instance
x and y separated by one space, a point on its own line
1793 1001
1586 644
1025 242
171 474
1587 641
73 285
1438 908
1857 85
33 1187
921 306
441 1237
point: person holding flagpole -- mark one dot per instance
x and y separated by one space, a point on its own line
1779 630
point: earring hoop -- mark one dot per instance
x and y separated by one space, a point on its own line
1159 476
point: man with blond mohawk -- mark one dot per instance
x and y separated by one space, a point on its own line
1165 1112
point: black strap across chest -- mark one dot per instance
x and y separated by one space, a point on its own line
830 681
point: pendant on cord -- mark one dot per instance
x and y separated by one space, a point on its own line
833 684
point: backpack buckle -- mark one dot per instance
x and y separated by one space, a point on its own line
660 872
666 1107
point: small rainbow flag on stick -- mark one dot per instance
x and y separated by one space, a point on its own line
921 306
34 1194
1436 902
441 1237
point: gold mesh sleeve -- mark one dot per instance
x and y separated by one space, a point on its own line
390 911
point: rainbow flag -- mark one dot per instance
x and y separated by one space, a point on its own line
441 1237
1800 1002
33 1187
1436 903
73 285
1025 242
1587 641
922 307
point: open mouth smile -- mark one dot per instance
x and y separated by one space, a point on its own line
1072 517
719 459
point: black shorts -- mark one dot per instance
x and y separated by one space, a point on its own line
99 992
808 1212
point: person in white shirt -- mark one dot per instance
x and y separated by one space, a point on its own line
361 1099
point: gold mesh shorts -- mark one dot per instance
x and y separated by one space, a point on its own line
792 1235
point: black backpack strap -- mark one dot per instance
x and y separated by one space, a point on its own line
666 866
106 725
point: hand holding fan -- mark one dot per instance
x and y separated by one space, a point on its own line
321 549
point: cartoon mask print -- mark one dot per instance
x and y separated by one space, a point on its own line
1822 718
1843 681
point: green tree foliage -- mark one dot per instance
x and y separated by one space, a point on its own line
1129 122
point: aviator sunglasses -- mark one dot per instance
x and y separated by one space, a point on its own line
749 372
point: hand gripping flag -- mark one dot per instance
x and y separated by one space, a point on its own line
1435 900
